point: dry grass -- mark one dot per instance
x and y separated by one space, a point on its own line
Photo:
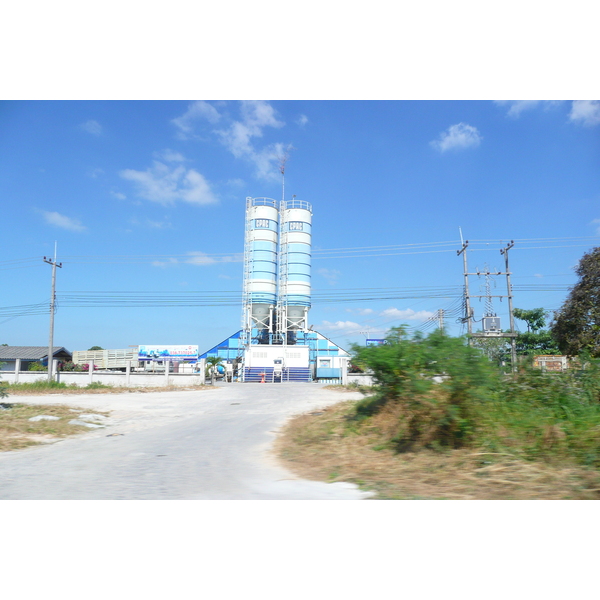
16 431
326 446
16 390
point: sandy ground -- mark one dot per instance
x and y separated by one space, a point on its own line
206 444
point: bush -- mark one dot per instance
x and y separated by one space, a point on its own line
444 394
437 381
36 366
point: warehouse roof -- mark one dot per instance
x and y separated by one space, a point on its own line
29 352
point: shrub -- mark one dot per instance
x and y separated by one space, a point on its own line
438 382
36 366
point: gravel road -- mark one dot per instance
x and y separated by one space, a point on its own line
198 445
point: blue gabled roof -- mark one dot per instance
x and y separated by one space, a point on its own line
224 344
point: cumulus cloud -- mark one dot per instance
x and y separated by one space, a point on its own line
516 107
302 120
457 136
199 110
585 112
239 136
406 314
167 184
347 327
92 127
62 221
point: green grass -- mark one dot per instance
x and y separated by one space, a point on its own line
41 385
96 385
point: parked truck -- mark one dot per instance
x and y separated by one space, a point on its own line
114 360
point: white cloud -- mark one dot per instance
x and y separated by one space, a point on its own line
460 135
170 156
166 184
302 120
237 138
347 327
361 311
406 314
119 195
92 127
62 221
199 110
516 107
597 222
94 173
331 275
165 263
585 112
200 258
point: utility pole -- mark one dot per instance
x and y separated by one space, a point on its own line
52 310
468 315
513 345
441 319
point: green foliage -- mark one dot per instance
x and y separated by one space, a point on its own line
96 385
535 318
211 362
71 366
40 385
576 326
536 340
435 380
496 350
95 348
3 393
36 366
445 394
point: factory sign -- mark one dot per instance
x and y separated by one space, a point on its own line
172 353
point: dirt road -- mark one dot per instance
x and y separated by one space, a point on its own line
211 444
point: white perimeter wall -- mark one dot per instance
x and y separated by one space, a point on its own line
118 379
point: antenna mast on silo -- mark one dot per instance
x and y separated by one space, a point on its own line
282 160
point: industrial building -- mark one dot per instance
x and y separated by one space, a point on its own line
275 343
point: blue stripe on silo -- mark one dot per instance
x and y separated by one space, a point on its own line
264 245
297 300
297 268
299 247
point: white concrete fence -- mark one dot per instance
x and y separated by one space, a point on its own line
128 378
131 378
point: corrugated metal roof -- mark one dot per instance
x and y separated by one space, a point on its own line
28 352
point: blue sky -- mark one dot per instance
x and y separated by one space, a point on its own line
145 200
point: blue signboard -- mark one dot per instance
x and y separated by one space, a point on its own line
172 353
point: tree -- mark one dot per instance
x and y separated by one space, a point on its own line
535 318
211 364
536 340
576 325
95 348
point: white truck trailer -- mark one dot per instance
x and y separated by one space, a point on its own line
114 360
